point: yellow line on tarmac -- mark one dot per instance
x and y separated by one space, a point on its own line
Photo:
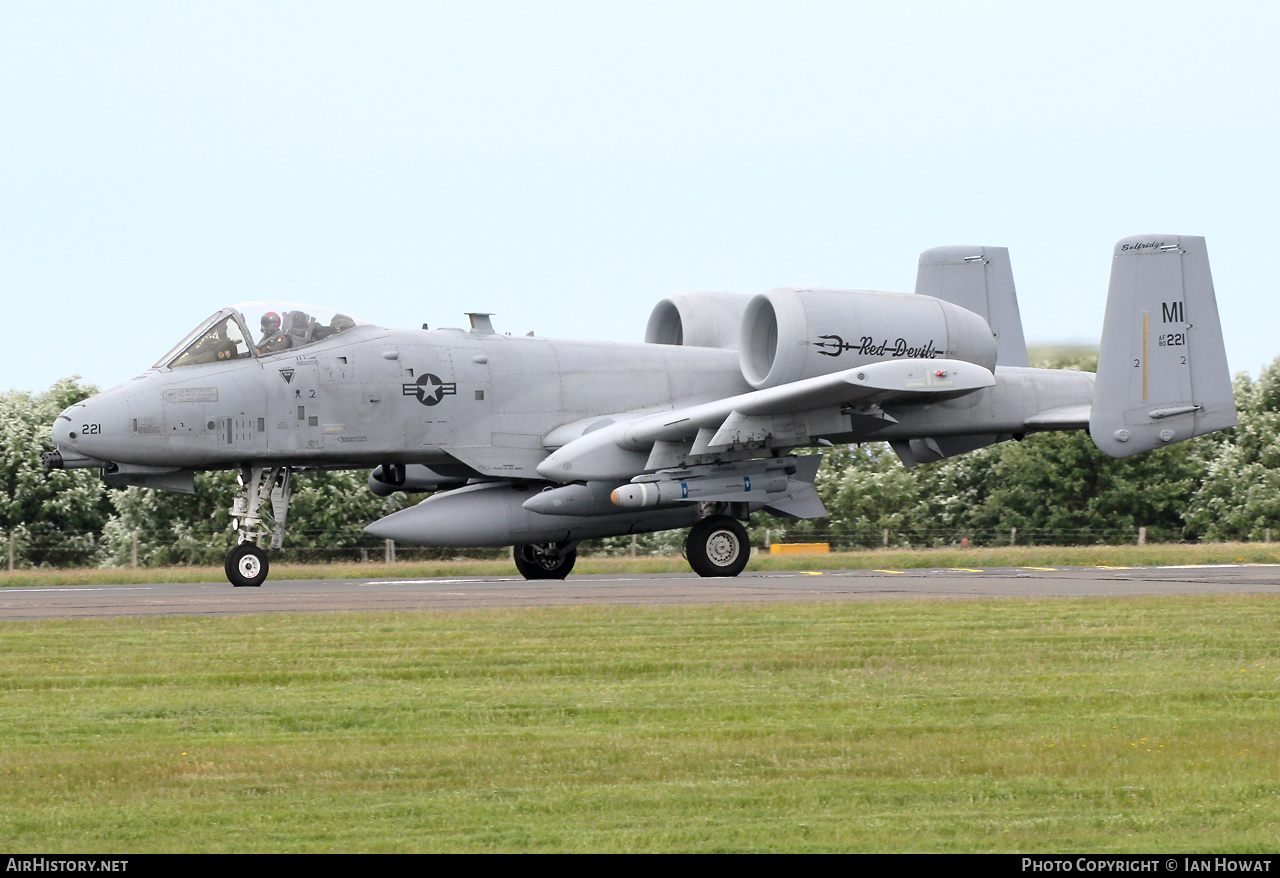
888 571
1039 568
965 569
1108 567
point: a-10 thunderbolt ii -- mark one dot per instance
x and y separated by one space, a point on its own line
540 443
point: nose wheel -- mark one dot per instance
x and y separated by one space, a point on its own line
247 566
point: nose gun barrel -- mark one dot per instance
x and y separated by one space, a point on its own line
52 460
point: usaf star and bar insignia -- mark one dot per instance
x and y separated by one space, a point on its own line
429 389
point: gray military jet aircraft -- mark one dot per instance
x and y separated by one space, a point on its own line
541 443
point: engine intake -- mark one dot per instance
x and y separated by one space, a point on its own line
706 320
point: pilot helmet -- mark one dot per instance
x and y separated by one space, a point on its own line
270 321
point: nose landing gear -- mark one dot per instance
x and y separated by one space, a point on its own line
247 565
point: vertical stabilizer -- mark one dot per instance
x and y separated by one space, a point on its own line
1162 366
978 279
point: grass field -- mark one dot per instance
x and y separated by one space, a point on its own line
1136 724
1014 556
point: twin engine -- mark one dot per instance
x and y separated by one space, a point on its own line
788 334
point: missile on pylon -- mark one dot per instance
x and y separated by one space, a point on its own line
591 498
736 489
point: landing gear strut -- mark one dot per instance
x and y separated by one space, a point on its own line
247 565
718 546
545 560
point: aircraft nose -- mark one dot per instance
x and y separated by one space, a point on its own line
62 431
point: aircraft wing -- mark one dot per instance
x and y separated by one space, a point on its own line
632 443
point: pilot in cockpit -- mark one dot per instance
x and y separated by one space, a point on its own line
339 323
273 338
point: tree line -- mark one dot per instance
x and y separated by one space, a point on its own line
1048 488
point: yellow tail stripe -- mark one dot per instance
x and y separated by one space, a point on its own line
1145 319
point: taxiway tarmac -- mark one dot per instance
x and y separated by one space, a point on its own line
458 593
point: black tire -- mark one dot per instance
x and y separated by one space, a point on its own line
718 546
247 566
535 564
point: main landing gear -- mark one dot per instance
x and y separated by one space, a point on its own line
545 560
718 546
247 565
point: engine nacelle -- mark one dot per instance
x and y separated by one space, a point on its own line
789 334
705 320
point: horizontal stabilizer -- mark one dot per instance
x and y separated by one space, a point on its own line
1162 365
1067 417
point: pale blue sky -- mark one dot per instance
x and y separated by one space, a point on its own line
568 164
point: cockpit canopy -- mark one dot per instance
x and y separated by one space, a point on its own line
277 326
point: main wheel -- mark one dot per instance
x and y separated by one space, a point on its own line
718 546
247 566
541 562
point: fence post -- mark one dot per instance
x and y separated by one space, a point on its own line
391 551
1142 536
633 545
885 541
133 554
12 538
1013 535
768 536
